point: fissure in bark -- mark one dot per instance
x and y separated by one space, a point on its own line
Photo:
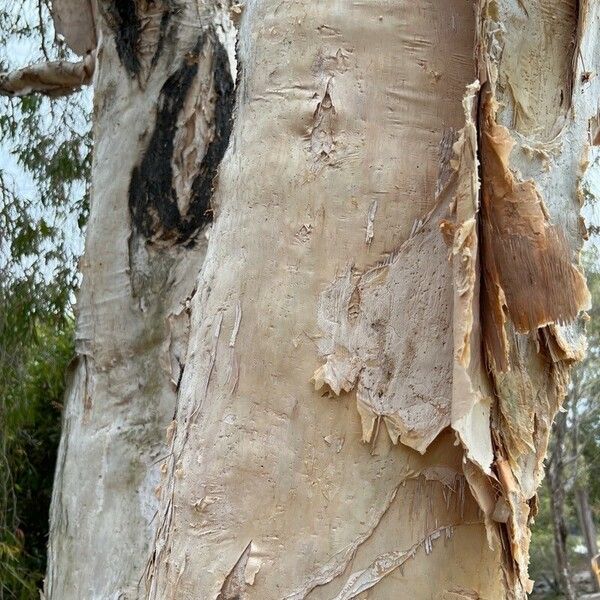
157 209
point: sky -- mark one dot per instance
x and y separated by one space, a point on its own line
17 52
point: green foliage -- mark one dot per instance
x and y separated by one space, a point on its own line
542 540
588 471
33 360
47 146
582 447
45 160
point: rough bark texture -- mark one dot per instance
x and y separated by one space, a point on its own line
348 256
133 316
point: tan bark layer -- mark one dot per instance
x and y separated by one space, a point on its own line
340 106
537 74
373 338
75 21
132 333
529 275
532 292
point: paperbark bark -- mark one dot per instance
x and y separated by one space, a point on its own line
388 214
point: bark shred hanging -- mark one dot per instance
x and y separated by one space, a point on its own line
156 210
529 275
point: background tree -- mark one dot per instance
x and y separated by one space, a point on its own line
569 507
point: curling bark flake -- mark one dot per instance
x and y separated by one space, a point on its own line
528 272
517 299
402 372
381 196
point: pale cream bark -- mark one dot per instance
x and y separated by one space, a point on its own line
347 392
133 321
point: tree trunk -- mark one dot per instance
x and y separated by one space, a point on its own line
287 192
556 486
588 527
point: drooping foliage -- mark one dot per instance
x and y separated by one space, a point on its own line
45 159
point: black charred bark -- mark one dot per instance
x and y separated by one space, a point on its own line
127 28
152 197
126 18
164 21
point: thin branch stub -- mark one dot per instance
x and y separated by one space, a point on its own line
55 78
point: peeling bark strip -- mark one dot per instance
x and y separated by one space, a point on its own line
529 274
235 582
158 212
370 324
